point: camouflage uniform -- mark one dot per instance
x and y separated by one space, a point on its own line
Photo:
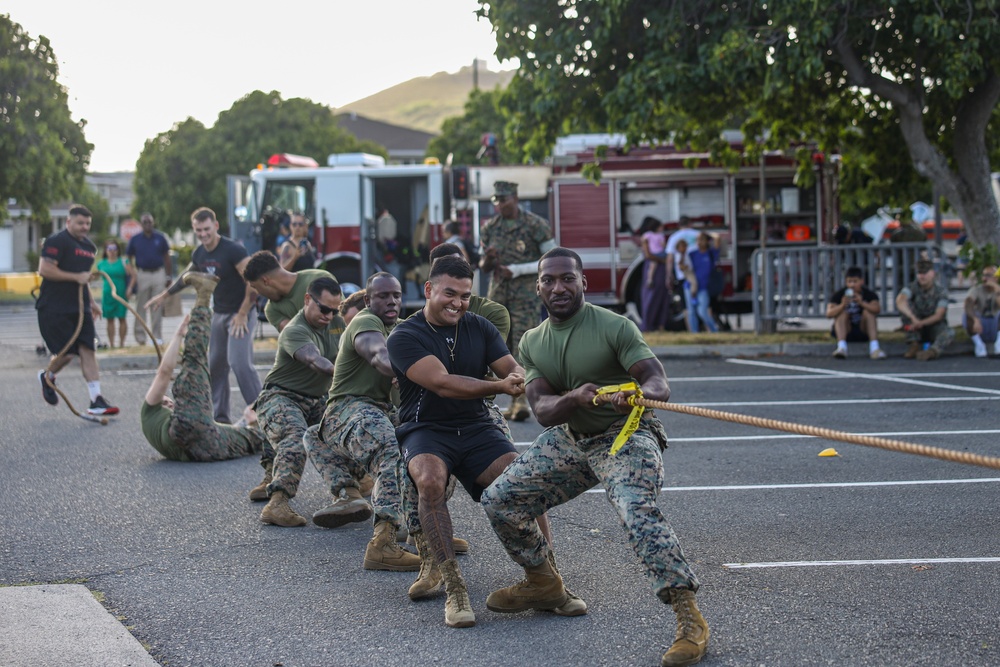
924 303
517 241
360 429
285 416
192 427
561 465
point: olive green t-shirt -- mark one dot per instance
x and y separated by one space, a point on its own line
595 345
290 373
287 308
155 421
495 312
353 375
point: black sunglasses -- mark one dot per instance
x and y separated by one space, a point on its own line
326 310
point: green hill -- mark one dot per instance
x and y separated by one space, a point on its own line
425 102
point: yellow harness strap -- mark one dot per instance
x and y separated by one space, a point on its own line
633 419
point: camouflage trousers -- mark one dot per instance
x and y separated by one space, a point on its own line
939 334
561 465
525 313
360 430
192 424
285 415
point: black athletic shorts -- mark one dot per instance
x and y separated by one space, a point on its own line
467 451
854 335
57 328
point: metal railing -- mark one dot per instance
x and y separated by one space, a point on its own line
792 282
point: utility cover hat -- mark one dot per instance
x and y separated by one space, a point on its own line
504 189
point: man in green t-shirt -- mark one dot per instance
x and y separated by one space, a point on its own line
285 292
295 392
567 358
360 422
183 429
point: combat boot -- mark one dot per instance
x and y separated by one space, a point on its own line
518 410
204 285
912 350
928 354
259 492
349 507
458 545
383 553
366 485
691 639
574 606
457 608
542 589
279 513
429 580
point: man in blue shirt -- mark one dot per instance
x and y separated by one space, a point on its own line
149 253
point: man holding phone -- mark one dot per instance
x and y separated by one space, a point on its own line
854 310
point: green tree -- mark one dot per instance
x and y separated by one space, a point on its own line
100 222
865 78
186 166
43 152
461 136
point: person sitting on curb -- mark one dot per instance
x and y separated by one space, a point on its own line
982 312
854 310
184 429
923 305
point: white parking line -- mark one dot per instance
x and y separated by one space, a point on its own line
756 378
886 561
864 376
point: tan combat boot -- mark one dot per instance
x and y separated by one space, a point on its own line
259 492
458 545
912 351
367 484
204 285
691 639
430 580
457 608
541 589
518 410
383 553
349 507
928 354
574 606
279 513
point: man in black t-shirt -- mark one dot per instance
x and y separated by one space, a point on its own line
854 310
65 267
439 356
234 307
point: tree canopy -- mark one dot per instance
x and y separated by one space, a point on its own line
461 136
43 152
870 80
186 166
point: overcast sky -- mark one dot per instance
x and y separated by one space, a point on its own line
133 69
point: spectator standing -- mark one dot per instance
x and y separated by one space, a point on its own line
513 240
149 253
703 260
657 284
297 252
121 276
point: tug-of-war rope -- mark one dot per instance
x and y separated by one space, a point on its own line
639 404
103 421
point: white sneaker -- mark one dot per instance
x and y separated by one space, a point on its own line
877 353
996 346
840 353
980 348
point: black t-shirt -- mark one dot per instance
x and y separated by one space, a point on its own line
478 345
853 309
222 262
74 256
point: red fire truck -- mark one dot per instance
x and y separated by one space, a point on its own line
756 206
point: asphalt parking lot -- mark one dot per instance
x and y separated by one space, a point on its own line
869 557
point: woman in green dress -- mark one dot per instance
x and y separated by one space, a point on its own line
118 269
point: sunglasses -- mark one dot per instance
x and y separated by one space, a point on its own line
298 224
326 310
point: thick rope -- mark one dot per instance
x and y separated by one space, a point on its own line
819 432
124 302
103 421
